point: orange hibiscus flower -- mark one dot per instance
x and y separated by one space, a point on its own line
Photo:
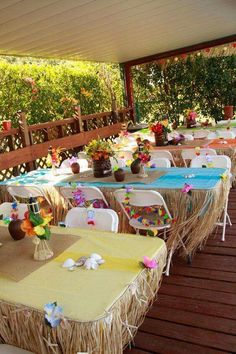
28 228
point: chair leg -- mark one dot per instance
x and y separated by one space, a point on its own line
224 225
229 220
167 272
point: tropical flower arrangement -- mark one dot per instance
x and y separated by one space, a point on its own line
191 118
37 224
160 127
99 149
142 152
53 157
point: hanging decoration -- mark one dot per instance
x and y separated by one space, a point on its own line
219 50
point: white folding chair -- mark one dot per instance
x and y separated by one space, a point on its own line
162 153
188 137
219 161
225 134
10 349
6 208
89 193
212 135
124 154
117 162
189 154
82 162
216 161
201 134
104 219
145 198
160 162
26 192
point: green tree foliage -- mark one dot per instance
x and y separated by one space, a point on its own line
200 83
48 89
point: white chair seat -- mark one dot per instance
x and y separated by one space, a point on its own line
10 349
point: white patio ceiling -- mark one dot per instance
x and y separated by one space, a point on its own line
110 30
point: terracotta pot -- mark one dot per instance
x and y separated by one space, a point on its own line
6 124
228 112
119 175
135 166
15 230
75 167
102 168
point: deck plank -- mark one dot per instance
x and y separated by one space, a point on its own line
195 311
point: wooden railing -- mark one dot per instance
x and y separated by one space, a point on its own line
25 148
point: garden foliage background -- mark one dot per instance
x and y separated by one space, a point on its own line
205 84
48 89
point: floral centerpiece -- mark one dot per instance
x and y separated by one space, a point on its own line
191 118
142 154
36 224
160 130
53 158
100 152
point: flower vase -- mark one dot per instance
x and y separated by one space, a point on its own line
160 139
102 168
42 250
142 172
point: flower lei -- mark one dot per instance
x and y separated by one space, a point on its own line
162 216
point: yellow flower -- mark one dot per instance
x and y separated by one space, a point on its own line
39 230
165 123
46 220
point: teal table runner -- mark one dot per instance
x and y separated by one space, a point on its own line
200 178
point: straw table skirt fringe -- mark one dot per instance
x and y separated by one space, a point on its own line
195 215
25 327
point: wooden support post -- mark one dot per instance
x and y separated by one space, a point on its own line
78 120
25 136
129 89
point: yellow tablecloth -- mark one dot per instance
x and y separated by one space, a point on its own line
120 288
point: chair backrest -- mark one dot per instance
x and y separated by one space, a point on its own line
160 162
212 135
124 154
117 162
188 137
25 191
104 219
6 208
141 198
162 153
189 154
218 161
201 134
89 193
82 162
225 134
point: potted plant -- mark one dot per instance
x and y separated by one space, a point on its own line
6 124
100 152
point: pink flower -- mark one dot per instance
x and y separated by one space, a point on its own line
149 263
187 188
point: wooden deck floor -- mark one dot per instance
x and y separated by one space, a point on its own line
196 307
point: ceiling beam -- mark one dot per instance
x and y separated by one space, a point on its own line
175 52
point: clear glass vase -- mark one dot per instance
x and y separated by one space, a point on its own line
42 250
142 173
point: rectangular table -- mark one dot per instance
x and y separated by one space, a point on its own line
104 307
200 211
